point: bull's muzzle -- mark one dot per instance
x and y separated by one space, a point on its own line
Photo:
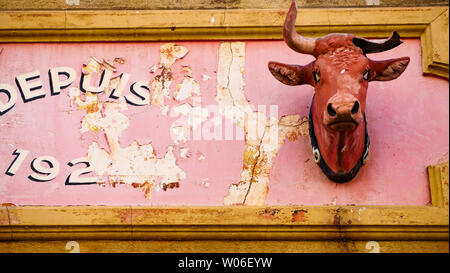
343 116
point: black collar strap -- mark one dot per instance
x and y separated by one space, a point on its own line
333 176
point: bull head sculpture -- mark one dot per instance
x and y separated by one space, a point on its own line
340 75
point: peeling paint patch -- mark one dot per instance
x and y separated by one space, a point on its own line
195 115
269 213
88 102
187 89
206 77
170 186
135 165
187 69
160 87
119 60
205 182
109 65
160 84
299 215
93 65
154 68
179 134
170 52
184 152
201 157
264 135
190 117
108 118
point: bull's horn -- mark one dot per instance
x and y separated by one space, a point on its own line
294 40
371 47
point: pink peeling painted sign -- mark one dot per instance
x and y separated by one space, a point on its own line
198 123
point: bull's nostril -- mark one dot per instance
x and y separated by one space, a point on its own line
330 110
355 108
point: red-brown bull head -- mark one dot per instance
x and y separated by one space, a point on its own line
340 76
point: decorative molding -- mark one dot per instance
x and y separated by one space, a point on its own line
428 23
287 223
438 177
435 43
224 223
202 4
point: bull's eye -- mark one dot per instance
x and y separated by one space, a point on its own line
316 76
366 75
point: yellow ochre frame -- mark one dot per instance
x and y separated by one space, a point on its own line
23 228
430 24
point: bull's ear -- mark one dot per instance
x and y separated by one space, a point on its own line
290 74
388 70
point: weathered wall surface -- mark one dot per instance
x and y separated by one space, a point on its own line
204 4
167 140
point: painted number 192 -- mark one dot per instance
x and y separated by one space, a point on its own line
46 168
